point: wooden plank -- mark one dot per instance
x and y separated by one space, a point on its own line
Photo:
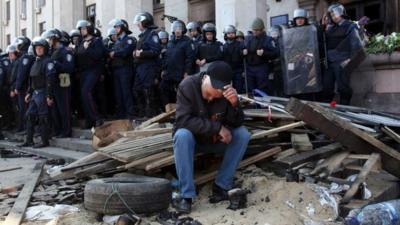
286 153
301 142
146 133
156 119
10 169
391 133
360 177
265 133
342 131
246 162
167 161
330 165
18 210
146 160
358 156
297 159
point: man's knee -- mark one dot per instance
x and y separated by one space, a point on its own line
241 133
183 135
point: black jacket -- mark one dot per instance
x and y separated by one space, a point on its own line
202 118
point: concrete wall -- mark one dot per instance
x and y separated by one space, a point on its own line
280 8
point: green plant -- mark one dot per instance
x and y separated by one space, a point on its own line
380 44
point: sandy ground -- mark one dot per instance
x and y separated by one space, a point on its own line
273 201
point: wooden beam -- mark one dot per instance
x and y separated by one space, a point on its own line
342 131
10 169
156 119
146 133
246 162
301 142
265 133
167 161
18 210
146 160
302 157
361 177
391 133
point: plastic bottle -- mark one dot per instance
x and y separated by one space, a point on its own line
384 213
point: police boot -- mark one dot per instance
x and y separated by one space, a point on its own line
150 103
44 132
140 103
30 129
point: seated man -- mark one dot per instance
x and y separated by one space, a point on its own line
208 116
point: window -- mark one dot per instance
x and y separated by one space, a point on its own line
40 3
23 9
42 27
279 20
8 12
91 13
8 38
373 9
23 32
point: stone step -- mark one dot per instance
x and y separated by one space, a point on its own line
48 152
82 134
75 144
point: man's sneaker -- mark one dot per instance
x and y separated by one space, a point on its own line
218 194
182 205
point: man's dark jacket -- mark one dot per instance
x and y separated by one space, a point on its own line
194 113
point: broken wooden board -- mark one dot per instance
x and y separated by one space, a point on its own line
330 165
145 160
391 133
246 162
302 157
159 118
361 177
344 132
18 210
146 133
301 142
265 133
10 169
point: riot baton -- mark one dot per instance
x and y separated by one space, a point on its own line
245 77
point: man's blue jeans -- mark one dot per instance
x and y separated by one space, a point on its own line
185 147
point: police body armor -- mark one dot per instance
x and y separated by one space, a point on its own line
210 51
233 54
300 60
38 78
121 61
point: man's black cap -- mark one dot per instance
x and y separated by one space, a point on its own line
220 73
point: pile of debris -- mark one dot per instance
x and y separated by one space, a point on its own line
348 150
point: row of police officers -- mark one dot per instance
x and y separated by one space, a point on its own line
44 79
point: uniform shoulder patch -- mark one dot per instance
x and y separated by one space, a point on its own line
1 70
50 66
155 39
5 63
69 57
193 48
129 41
25 61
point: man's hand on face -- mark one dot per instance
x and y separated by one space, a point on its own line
231 95
225 135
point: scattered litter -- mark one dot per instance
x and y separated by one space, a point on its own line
45 212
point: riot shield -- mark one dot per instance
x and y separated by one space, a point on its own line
300 58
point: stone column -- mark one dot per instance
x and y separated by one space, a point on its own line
176 8
310 6
127 9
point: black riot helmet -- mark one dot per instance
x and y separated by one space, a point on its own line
178 24
22 43
39 41
65 38
120 23
84 23
97 32
338 10
193 25
209 27
11 49
163 35
146 19
52 34
74 33
229 29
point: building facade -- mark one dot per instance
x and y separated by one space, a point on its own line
32 17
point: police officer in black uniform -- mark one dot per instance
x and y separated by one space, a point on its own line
209 49
40 94
122 69
233 55
146 57
194 31
342 43
89 59
178 63
64 65
20 78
